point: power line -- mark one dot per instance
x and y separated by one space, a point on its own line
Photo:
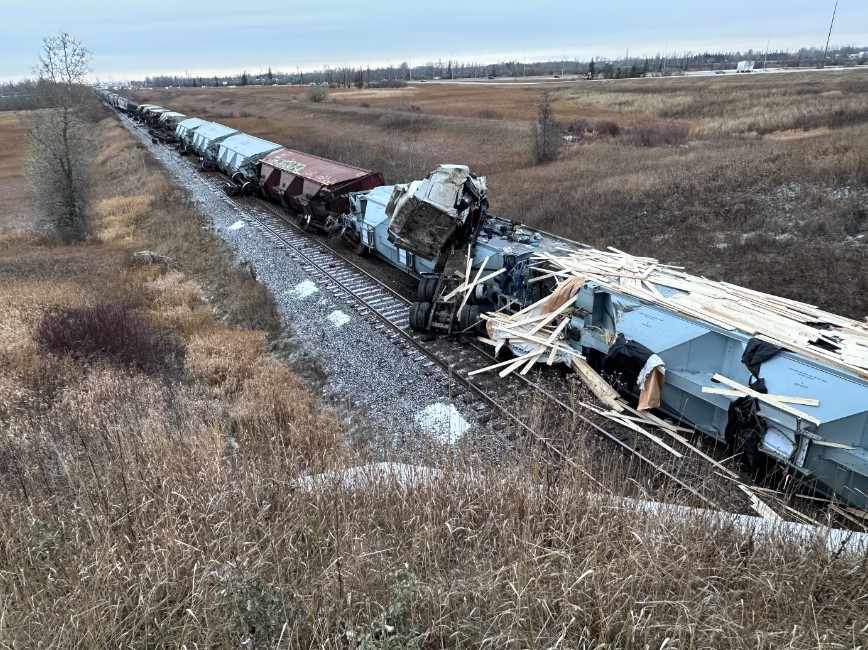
826 51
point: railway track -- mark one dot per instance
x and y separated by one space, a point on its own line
500 402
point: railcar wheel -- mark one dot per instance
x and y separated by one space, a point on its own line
414 307
423 313
468 319
425 290
303 220
419 314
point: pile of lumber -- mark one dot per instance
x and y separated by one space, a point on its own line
786 323
536 333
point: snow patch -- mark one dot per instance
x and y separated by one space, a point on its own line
238 225
444 422
338 318
305 289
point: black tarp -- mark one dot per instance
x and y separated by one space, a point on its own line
745 426
756 352
626 358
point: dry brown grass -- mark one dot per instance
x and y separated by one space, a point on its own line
15 192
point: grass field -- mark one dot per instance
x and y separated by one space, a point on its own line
768 189
157 504
15 194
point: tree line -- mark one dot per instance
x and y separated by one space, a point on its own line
597 67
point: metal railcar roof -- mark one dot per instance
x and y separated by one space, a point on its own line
321 170
241 150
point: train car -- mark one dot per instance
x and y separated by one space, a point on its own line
315 188
206 140
151 115
164 127
237 157
768 376
184 133
139 115
370 225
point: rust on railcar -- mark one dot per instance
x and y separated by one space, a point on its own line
312 185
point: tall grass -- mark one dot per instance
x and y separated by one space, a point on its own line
132 519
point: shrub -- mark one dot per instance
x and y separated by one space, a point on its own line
656 134
364 105
578 127
489 114
607 127
401 122
317 94
110 333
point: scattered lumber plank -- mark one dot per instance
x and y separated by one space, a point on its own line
768 400
805 401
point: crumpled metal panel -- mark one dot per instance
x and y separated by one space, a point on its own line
207 138
171 119
426 214
239 154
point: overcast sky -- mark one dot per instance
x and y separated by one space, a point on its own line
130 39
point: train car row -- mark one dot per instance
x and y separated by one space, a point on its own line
771 377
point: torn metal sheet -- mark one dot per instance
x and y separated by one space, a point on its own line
426 214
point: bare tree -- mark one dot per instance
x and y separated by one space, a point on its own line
545 134
60 138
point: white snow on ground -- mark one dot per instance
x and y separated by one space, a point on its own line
304 289
443 421
238 225
338 318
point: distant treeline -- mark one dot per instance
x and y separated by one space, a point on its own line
23 95
390 76
30 94
20 96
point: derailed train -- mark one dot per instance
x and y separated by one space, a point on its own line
777 378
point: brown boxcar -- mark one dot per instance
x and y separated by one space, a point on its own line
313 187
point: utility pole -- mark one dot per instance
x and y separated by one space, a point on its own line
766 57
826 51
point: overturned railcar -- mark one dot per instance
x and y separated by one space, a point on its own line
163 127
768 376
314 188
